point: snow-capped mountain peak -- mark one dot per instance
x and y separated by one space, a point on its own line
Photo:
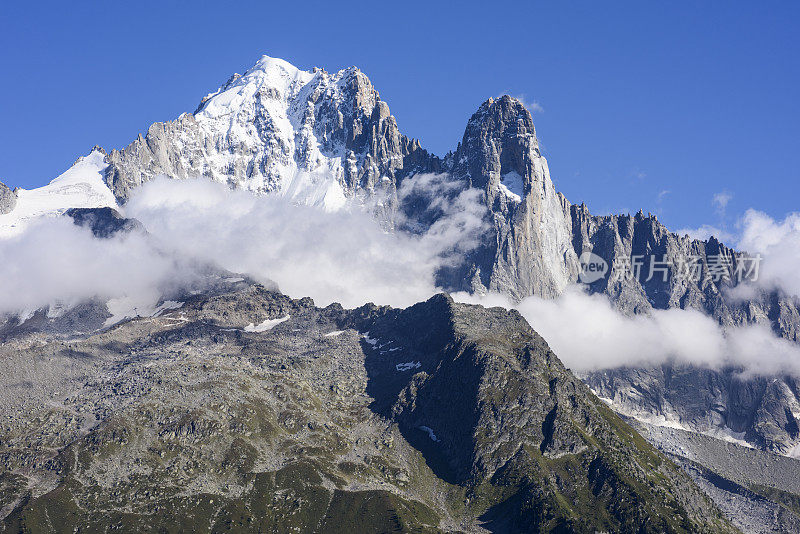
312 135
277 78
81 186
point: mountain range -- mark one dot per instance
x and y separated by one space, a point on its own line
482 412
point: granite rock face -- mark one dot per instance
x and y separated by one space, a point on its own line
8 199
761 411
528 250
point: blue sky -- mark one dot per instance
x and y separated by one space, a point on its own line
652 105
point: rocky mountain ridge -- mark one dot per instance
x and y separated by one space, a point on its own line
322 420
320 138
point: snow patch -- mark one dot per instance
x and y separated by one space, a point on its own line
140 306
24 315
303 168
335 333
726 434
723 433
512 186
269 324
430 433
315 189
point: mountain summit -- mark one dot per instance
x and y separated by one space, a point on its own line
315 136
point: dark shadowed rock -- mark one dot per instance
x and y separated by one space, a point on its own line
103 222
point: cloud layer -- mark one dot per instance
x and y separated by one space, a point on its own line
778 243
348 257
588 334
344 256
54 261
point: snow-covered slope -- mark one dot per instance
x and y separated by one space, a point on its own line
311 135
82 186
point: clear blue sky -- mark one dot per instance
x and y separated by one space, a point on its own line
638 97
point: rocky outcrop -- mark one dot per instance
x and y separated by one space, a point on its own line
103 222
762 411
8 199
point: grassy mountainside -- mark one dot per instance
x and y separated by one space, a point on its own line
438 418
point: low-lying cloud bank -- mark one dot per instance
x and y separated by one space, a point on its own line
344 256
776 241
54 261
589 334
348 257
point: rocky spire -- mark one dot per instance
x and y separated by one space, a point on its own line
529 251
499 147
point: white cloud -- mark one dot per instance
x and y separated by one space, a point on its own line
342 256
588 333
534 106
720 201
346 256
778 244
56 261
